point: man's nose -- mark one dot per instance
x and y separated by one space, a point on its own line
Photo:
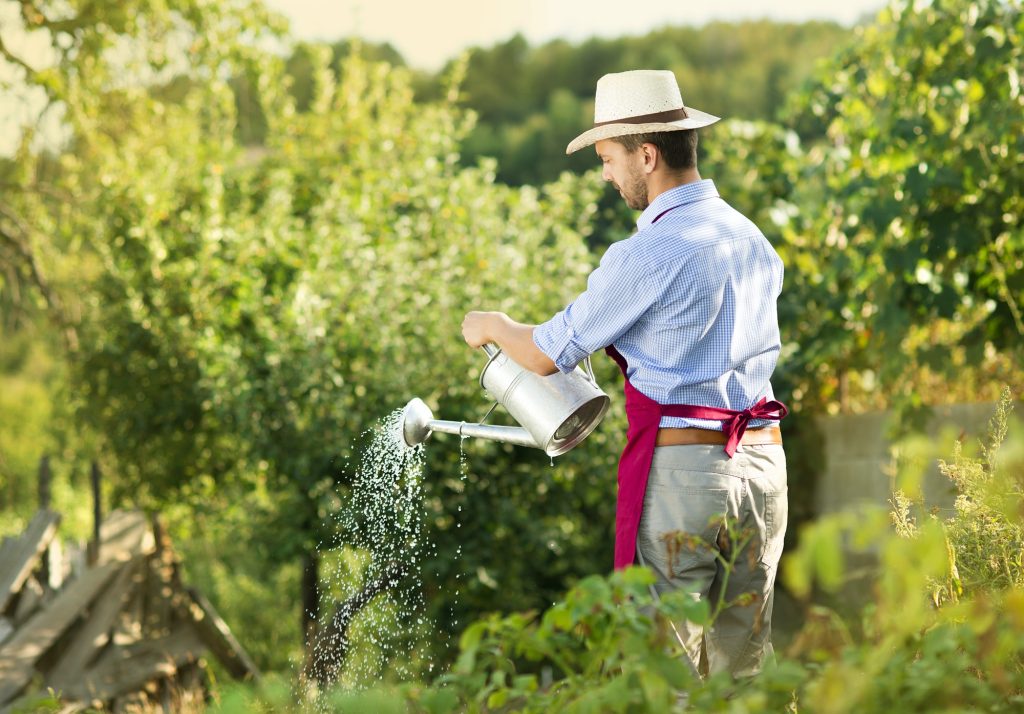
606 174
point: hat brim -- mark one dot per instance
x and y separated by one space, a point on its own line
695 120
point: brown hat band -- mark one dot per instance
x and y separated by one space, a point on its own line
670 115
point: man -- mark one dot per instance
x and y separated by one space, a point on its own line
687 307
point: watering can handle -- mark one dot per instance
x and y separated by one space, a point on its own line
590 370
493 351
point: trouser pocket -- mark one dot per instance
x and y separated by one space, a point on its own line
776 517
679 528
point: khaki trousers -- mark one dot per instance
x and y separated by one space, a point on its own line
702 508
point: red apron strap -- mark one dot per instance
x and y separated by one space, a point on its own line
734 423
644 415
619 359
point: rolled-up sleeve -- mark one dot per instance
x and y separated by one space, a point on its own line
618 293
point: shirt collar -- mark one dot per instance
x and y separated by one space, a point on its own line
674 198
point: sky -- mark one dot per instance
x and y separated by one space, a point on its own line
429 32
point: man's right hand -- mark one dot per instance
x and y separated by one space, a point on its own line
515 339
479 328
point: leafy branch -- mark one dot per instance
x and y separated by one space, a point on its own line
16 236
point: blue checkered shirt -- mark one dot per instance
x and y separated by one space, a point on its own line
688 300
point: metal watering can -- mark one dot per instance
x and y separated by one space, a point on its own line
556 412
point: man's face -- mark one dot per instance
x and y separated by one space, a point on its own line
625 172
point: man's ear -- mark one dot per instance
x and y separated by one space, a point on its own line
651 156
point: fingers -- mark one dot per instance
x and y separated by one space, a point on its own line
473 329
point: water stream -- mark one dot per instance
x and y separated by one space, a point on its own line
374 624
371 579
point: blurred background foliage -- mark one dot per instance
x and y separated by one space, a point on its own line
221 264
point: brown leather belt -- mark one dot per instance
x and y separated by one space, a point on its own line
691 436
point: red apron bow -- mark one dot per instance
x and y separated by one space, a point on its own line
734 423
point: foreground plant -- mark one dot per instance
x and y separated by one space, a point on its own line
985 534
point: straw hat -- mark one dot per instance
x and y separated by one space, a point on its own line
639 102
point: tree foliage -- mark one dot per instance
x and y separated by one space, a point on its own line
533 99
910 219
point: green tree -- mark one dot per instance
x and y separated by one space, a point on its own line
78 76
913 204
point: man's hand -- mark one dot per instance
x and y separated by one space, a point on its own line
515 339
478 328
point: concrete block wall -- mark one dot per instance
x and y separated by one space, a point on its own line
858 456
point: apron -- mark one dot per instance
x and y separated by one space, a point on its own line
644 415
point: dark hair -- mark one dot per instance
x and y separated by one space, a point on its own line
678 148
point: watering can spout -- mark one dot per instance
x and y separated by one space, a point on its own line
418 423
556 412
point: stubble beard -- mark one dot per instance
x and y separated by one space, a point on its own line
635 191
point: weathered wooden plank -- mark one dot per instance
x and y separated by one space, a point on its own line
6 629
167 602
19 655
76 560
159 589
214 633
7 546
128 625
125 534
21 557
56 567
127 669
95 632
167 555
29 599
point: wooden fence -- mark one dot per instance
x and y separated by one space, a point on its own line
109 627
